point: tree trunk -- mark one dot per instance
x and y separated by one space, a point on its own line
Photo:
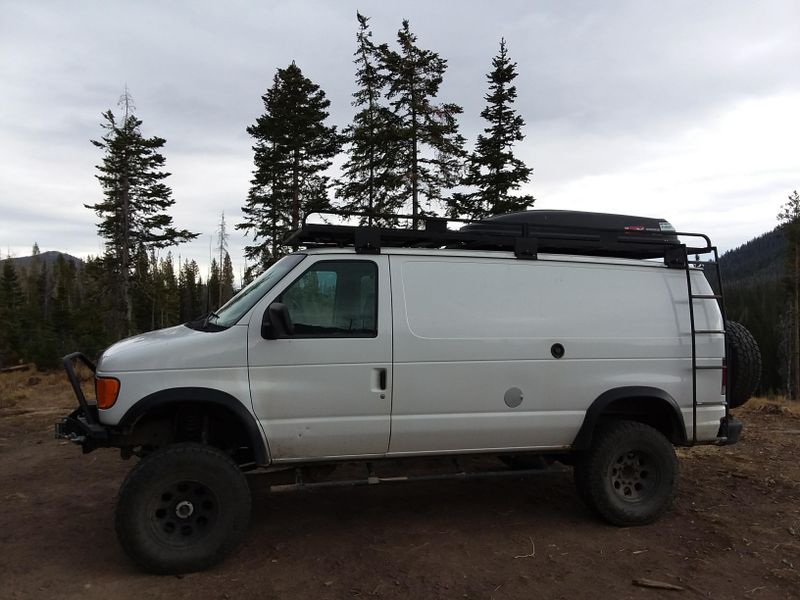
414 165
295 192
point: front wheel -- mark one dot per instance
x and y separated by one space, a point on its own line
182 509
629 474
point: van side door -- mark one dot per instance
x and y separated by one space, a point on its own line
325 390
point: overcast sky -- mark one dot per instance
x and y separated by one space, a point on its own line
681 110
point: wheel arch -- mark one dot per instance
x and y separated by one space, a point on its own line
650 405
210 398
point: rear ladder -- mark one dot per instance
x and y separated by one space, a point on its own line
720 299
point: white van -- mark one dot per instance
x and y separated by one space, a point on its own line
544 334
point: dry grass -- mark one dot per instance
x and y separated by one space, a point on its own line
774 405
34 391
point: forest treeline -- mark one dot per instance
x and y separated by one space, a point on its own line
54 304
754 279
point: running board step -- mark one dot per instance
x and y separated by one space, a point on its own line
707 331
707 296
708 368
372 479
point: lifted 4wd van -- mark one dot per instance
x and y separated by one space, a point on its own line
595 340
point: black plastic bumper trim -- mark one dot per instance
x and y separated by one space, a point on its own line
730 430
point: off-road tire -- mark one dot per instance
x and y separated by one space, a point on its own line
744 367
629 474
182 509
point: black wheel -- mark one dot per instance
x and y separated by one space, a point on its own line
744 368
182 508
629 473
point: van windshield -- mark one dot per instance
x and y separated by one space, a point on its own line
237 307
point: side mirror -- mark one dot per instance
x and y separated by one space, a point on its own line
276 323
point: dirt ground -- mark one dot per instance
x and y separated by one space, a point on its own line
734 531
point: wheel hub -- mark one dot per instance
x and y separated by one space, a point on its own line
184 509
630 476
184 512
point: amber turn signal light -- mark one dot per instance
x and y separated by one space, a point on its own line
107 389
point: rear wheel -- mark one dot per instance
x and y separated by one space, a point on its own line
629 473
182 508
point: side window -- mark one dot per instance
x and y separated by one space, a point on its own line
335 299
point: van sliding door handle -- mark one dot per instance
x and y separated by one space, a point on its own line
378 380
382 379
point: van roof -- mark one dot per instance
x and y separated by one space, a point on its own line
493 254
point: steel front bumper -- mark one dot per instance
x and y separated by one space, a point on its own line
82 426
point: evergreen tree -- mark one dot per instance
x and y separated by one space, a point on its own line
227 279
371 181
190 286
222 251
431 151
169 313
492 168
213 285
790 216
61 330
135 201
12 315
96 317
293 148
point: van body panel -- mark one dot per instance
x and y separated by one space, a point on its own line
469 329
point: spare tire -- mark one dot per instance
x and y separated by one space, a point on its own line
744 364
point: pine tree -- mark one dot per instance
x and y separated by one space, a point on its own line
227 279
12 315
293 148
431 151
190 286
133 210
213 285
222 252
169 313
62 323
492 168
790 216
371 181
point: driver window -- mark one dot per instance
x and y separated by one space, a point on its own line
334 299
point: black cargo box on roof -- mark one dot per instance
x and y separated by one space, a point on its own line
569 231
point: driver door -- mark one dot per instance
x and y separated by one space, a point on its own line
325 391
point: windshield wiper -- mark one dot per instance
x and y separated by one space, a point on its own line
209 314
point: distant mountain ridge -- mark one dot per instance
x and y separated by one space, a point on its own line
48 258
759 260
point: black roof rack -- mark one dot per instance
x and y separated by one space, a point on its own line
525 233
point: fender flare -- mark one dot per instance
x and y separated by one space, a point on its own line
641 393
201 395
